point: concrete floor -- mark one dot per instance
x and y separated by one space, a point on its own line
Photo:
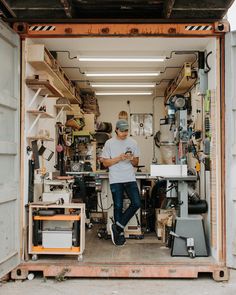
200 286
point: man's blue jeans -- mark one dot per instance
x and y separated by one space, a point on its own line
131 189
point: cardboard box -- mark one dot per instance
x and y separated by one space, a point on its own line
89 122
164 217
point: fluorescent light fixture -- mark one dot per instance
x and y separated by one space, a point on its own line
124 93
140 74
96 85
126 59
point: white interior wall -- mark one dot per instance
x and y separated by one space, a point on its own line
42 125
27 95
159 113
110 108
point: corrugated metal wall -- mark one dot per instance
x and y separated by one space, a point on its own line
9 149
230 98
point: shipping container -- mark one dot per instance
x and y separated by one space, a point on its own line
183 121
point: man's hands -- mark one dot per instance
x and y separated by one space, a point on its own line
130 157
122 157
126 156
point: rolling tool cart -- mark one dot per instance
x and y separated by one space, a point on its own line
56 229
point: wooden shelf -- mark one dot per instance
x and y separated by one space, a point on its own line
57 217
41 59
66 107
46 87
42 138
41 113
61 108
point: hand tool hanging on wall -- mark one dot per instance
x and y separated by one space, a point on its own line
31 181
33 164
43 168
34 144
60 150
45 152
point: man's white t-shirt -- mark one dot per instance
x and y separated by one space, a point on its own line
122 171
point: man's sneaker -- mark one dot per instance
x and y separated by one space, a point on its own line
122 238
114 234
118 238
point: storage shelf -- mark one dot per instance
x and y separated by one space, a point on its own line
41 59
61 108
41 113
42 138
182 83
66 107
46 87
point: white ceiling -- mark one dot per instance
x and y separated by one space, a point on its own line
127 47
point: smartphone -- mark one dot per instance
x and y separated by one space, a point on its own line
128 152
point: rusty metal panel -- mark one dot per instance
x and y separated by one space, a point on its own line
120 30
160 270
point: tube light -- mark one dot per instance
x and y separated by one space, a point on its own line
125 59
124 93
151 74
150 85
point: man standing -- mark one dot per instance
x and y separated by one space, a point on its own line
121 154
